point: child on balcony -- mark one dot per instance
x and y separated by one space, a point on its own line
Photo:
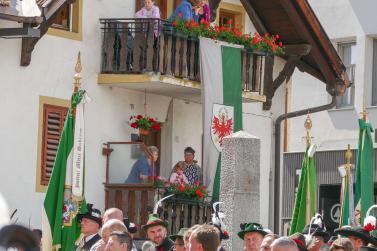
177 175
148 11
203 11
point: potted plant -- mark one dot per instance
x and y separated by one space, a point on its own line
144 124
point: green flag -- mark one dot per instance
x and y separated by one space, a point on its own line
222 104
364 192
64 198
306 198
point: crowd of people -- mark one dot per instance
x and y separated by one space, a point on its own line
117 234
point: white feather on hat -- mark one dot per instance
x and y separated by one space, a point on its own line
4 212
370 220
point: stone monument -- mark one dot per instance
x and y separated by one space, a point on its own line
239 186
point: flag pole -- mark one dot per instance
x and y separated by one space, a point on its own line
308 126
77 78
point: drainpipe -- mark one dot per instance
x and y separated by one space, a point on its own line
277 152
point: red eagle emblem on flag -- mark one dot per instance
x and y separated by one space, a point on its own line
222 124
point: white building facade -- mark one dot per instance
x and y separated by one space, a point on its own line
48 80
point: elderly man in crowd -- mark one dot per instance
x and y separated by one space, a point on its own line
284 244
205 238
90 224
252 235
109 227
119 241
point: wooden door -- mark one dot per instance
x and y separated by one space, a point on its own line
162 4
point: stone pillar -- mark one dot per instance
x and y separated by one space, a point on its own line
239 186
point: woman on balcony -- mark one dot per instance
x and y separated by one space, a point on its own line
186 9
148 11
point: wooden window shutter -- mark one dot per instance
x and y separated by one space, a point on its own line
53 122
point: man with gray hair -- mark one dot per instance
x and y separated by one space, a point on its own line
107 228
284 244
112 213
142 170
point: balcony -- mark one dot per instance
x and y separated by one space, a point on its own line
136 199
149 54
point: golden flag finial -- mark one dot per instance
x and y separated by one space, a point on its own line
364 112
77 76
348 155
308 126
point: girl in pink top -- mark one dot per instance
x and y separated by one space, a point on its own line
203 10
148 11
177 175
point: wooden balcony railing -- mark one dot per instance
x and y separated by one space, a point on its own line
137 201
134 46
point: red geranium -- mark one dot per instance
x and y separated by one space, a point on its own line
199 193
229 33
144 122
181 188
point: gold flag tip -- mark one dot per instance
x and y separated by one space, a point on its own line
78 66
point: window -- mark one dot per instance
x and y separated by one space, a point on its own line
52 113
68 21
234 12
347 52
225 17
53 122
374 72
62 20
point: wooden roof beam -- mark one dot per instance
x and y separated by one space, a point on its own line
297 49
316 52
254 17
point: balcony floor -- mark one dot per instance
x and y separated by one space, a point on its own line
165 85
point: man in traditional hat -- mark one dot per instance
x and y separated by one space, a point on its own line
252 235
319 233
317 230
157 233
359 236
90 223
179 244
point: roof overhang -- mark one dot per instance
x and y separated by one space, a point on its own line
297 25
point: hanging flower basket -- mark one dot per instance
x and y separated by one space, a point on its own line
144 124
